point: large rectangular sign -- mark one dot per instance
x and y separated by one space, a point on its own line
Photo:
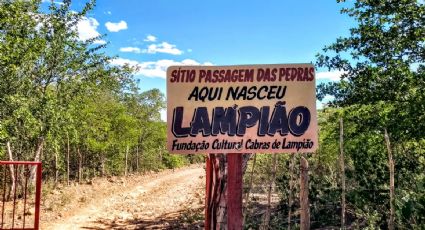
241 109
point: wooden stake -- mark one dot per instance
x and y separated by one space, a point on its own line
305 209
391 168
250 185
266 222
342 168
223 200
291 185
208 191
216 180
234 191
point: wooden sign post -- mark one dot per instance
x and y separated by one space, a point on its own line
227 111
234 191
208 192
224 195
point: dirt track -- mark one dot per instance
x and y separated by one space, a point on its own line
167 200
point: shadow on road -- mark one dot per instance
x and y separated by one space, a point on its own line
184 219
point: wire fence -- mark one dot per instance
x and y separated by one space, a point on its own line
324 213
364 206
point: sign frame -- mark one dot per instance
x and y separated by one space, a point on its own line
265 107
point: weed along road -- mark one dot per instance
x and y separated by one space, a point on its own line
158 201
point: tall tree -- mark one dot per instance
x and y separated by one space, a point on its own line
383 60
383 87
19 53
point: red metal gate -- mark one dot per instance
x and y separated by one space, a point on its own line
20 203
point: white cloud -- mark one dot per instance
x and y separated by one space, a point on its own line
319 105
208 63
150 38
155 68
163 113
99 42
189 50
108 12
159 68
324 102
332 75
55 2
130 49
115 27
87 29
123 61
163 47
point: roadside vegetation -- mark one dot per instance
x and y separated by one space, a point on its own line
62 101
381 91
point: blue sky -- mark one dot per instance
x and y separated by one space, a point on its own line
158 33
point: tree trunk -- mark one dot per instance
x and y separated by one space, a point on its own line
266 222
56 166
137 157
67 158
304 203
80 165
37 158
342 168
141 155
103 163
126 161
39 150
12 171
160 155
291 185
391 168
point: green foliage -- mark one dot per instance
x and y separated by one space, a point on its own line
382 88
174 161
383 59
367 174
367 179
60 95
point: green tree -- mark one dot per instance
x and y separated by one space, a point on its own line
63 103
383 59
46 74
382 87
19 52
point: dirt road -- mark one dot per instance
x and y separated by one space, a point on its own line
167 200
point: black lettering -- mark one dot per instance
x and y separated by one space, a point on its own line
177 128
248 117
224 121
279 120
200 122
298 128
